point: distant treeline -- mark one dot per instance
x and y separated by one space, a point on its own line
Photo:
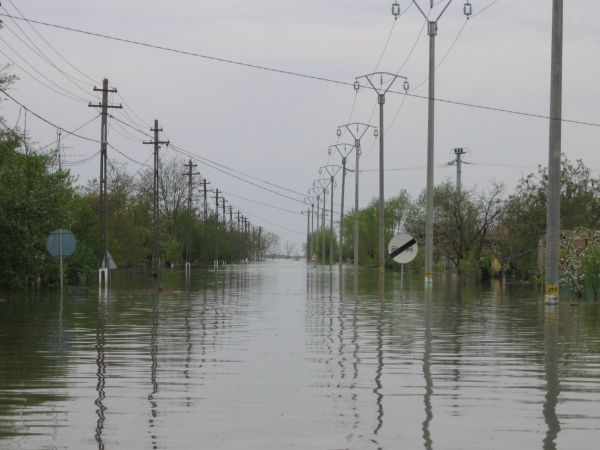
481 233
36 198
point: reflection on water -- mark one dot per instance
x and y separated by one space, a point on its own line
551 373
278 354
427 370
154 369
100 373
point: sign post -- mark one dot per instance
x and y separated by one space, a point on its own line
403 248
61 243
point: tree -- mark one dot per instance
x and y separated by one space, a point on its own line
33 202
172 188
399 212
462 223
590 265
523 220
289 248
269 243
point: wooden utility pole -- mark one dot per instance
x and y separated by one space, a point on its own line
258 244
104 264
204 183
156 245
217 203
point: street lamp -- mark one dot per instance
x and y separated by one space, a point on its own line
381 91
357 130
432 31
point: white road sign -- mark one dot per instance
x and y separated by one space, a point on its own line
403 248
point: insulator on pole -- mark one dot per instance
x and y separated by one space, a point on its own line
396 10
468 9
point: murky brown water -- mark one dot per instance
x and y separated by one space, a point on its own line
271 356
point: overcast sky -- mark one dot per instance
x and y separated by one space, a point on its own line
278 127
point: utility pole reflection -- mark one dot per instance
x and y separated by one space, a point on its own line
100 373
154 370
379 372
428 443
552 379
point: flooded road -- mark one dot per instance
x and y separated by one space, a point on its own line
274 355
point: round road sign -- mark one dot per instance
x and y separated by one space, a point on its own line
403 248
53 243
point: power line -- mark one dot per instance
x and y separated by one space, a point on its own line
387 42
182 52
454 41
46 120
144 133
127 157
222 168
54 49
271 223
81 161
75 130
17 135
514 166
204 161
140 121
485 8
263 204
36 51
58 88
296 74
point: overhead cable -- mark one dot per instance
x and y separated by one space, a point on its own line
296 74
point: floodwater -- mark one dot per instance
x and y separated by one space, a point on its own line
273 355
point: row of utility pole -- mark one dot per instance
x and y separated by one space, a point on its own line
381 83
243 224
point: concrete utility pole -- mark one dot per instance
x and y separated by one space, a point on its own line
307 234
357 130
310 200
554 153
317 193
432 29
230 217
244 237
323 184
459 151
344 151
188 237
104 265
332 170
381 91
156 247
216 263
